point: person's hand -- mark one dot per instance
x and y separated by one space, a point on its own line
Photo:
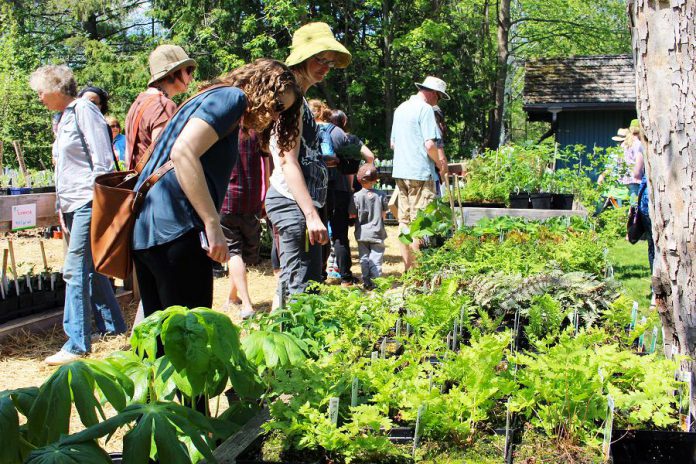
330 161
216 243
316 230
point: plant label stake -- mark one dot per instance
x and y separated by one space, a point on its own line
383 348
685 398
461 320
653 342
408 329
449 341
634 317
610 271
53 282
608 426
333 410
641 339
455 332
14 266
417 432
27 280
354 392
398 327
508 433
576 321
374 356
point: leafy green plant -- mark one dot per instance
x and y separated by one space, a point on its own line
435 220
545 316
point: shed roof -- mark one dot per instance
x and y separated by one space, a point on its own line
583 82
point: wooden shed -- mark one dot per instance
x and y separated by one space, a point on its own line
586 98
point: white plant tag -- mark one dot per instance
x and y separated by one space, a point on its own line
383 348
374 356
333 410
653 342
417 432
354 392
608 426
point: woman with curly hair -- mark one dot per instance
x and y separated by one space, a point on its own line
299 180
177 233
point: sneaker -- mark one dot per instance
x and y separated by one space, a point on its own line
246 313
333 274
62 357
350 281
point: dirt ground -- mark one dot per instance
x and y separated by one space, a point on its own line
21 356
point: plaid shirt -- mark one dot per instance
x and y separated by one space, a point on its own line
246 190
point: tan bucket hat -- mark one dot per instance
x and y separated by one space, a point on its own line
167 59
620 135
436 84
312 39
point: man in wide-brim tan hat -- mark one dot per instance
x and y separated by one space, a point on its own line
171 72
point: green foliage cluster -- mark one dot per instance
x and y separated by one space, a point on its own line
514 246
494 174
178 356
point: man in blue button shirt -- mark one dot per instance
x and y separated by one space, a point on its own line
417 163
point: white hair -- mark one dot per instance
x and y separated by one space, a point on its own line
54 78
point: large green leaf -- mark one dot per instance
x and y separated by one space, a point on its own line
161 424
185 342
268 349
49 416
77 453
146 334
10 452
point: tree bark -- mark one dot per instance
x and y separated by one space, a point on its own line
388 70
501 73
664 48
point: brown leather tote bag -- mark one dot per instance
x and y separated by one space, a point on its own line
114 208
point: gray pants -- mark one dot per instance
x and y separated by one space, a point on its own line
371 255
298 264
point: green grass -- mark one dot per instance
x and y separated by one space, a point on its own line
631 268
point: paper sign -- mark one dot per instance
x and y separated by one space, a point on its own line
23 216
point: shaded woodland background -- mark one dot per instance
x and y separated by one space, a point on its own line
477 46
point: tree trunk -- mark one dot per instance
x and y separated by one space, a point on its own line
664 48
502 72
388 71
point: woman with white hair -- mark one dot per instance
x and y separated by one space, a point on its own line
82 151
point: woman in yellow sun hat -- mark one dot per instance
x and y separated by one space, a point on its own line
299 180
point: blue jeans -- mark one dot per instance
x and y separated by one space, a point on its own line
85 290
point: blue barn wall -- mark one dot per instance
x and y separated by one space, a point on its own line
591 128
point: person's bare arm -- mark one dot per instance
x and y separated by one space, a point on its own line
367 154
289 163
639 168
437 155
195 139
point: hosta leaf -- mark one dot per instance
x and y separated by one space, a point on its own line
159 423
10 452
61 453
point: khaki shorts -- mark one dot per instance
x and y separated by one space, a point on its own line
414 195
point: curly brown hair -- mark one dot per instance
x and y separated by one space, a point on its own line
263 81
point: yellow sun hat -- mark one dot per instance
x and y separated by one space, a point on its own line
312 39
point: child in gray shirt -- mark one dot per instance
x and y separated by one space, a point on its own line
369 207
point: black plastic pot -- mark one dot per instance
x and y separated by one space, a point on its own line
562 201
47 189
402 435
8 308
252 455
653 447
520 200
540 200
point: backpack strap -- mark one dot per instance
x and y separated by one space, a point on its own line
85 147
135 126
169 165
148 153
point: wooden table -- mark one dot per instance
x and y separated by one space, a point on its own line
45 209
